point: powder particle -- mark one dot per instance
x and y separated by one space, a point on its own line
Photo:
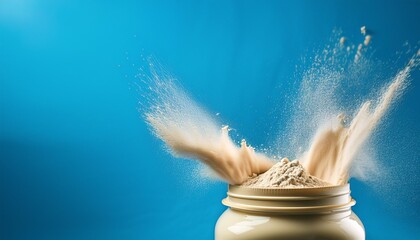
367 40
285 174
342 41
358 53
363 30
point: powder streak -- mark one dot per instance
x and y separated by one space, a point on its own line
190 132
333 148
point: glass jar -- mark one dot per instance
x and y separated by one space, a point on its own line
294 213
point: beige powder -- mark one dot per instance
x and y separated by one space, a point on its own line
190 132
335 146
285 174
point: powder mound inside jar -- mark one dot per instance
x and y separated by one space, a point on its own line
285 174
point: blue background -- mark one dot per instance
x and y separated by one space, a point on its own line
78 162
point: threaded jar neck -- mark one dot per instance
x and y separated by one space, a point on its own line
317 200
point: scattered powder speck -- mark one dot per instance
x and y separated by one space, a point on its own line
285 174
363 30
342 41
367 40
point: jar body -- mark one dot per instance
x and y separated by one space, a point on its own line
237 224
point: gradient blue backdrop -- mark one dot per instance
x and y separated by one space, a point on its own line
76 160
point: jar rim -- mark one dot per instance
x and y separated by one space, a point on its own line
289 200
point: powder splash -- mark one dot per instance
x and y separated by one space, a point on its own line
190 132
331 145
333 148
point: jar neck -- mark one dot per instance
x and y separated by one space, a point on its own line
331 201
